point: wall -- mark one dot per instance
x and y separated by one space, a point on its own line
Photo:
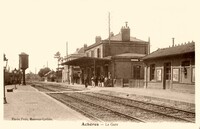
178 81
124 69
189 88
94 49
155 85
120 48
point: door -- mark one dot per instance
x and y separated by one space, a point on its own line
136 76
167 75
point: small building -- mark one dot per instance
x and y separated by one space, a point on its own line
50 76
117 57
171 68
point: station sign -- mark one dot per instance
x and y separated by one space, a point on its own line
135 59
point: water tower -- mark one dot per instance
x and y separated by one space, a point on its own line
23 64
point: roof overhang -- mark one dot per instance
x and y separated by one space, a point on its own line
184 55
86 61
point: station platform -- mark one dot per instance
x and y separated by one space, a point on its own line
28 104
165 95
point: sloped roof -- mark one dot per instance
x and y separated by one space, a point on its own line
118 37
77 54
177 50
79 51
85 61
50 72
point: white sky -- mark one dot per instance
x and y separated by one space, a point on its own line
40 28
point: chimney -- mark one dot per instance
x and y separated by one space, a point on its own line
172 42
125 33
98 39
111 34
85 47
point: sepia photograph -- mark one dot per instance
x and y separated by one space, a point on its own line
99 64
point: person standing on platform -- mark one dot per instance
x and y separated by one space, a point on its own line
99 81
106 81
102 81
86 80
93 81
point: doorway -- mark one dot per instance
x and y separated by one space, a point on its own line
137 80
167 75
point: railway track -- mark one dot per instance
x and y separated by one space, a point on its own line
131 110
134 111
93 111
52 88
183 115
42 88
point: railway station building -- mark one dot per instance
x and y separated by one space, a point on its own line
117 58
72 74
171 68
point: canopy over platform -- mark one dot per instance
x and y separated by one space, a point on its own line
87 61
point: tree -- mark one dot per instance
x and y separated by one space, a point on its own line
57 55
43 71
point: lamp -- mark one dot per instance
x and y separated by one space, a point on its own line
5 65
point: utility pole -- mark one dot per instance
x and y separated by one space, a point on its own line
67 50
109 26
149 45
67 65
109 48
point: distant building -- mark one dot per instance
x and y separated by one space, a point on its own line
50 76
171 68
117 57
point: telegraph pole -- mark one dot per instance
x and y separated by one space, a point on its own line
67 50
67 60
109 26
109 48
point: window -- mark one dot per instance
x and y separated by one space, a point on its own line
152 72
92 53
136 72
98 52
185 68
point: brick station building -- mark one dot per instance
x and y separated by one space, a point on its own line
171 68
117 58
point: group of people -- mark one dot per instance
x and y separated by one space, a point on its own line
99 81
